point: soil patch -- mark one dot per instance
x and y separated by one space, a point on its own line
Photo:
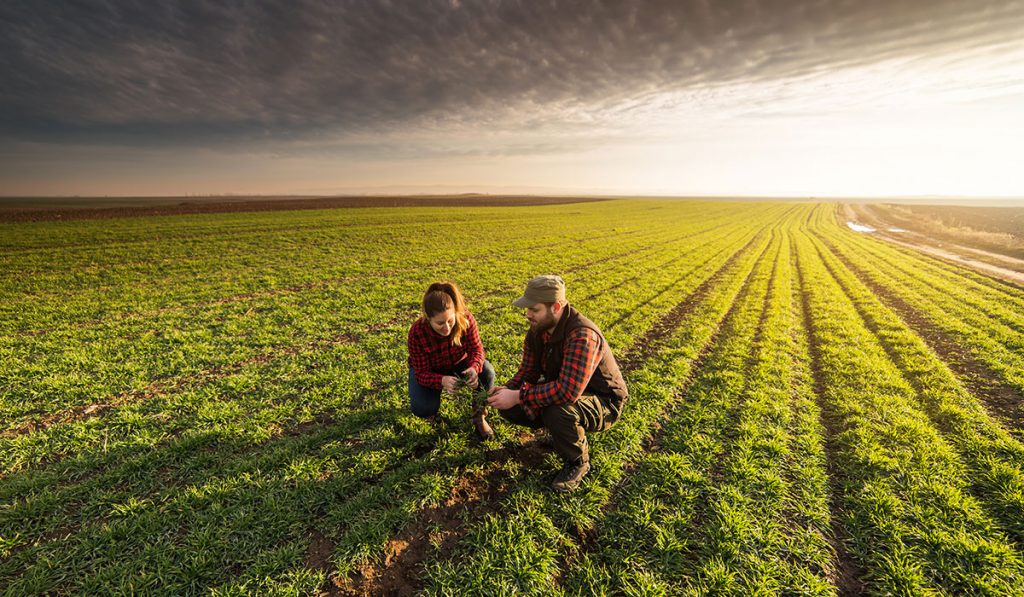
433 534
318 555
211 205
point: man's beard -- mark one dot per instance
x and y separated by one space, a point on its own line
543 325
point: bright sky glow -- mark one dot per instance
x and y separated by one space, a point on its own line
923 110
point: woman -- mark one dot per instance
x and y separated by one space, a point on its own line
443 345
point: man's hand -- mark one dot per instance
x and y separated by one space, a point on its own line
504 398
470 378
450 384
496 389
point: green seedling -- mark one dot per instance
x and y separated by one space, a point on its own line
190 404
477 397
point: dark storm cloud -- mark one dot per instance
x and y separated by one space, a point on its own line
168 72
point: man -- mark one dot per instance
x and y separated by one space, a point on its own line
568 381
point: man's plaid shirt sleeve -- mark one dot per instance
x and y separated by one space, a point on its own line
582 352
529 369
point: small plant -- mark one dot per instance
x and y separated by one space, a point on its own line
477 397
170 418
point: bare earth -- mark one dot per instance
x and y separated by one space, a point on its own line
49 209
1012 271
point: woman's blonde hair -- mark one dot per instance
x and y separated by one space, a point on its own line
442 296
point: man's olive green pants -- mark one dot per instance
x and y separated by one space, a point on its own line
568 423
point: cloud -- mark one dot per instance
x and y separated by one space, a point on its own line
208 72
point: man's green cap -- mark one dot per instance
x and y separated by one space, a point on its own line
542 289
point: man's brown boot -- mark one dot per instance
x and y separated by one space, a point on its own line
483 429
571 475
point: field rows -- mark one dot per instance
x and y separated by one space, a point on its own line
217 405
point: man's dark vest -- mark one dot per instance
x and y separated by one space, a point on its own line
606 382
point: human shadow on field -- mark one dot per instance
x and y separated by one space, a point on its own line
170 502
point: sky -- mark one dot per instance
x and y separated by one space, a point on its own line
683 97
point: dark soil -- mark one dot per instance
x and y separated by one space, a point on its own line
319 553
213 205
436 530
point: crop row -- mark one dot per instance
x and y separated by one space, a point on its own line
220 452
713 505
984 320
525 545
994 460
904 492
83 366
624 261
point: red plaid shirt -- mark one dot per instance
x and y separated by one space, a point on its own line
581 354
433 356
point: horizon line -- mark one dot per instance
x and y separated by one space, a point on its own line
506 194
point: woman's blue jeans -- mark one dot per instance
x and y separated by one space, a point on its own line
425 402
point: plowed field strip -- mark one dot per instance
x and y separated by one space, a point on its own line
218 372
612 450
848 570
1005 403
590 542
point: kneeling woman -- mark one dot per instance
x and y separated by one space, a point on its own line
443 345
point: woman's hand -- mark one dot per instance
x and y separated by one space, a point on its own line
450 384
471 378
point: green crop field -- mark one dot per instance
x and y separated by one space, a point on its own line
217 405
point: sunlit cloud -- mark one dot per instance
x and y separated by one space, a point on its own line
503 86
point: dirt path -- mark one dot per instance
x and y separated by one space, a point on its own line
1002 273
957 254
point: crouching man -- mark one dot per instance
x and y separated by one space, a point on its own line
568 381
